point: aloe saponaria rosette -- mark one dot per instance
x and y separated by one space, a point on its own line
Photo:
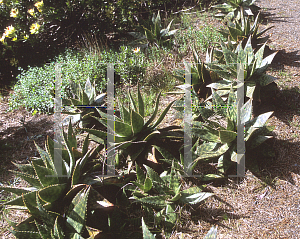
231 9
134 135
156 35
254 70
241 30
217 142
58 204
85 101
163 193
201 76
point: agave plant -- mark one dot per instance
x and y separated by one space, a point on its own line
232 9
134 134
85 101
219 141
200 76
156 35
57 204
255 66
163 194
241 30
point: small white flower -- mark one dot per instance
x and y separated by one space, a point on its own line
136 50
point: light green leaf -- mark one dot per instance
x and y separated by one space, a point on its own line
146 233
227 136
137 123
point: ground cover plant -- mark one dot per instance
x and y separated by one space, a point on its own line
152 193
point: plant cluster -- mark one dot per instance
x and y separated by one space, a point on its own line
149 159
234 9
37 28
214 96
157 35
64 200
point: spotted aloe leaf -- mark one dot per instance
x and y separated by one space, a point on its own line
125 115
122 129
170 216
52 193
45 175
193 195
227 136
45 157
154 176
174 183
32 180
17 191
31 196
208 155
57 230
137 122
47 217
261 119
133 104
258 141
76 215
157 201
77 172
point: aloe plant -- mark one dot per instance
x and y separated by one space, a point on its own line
85 101
57 204
156 35
255 66
220 142
163 194
201 76
232 9
134 134
241 30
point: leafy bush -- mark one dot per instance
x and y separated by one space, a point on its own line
35 87
66 19
41 28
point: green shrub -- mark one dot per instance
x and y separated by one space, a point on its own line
35 87
43 27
